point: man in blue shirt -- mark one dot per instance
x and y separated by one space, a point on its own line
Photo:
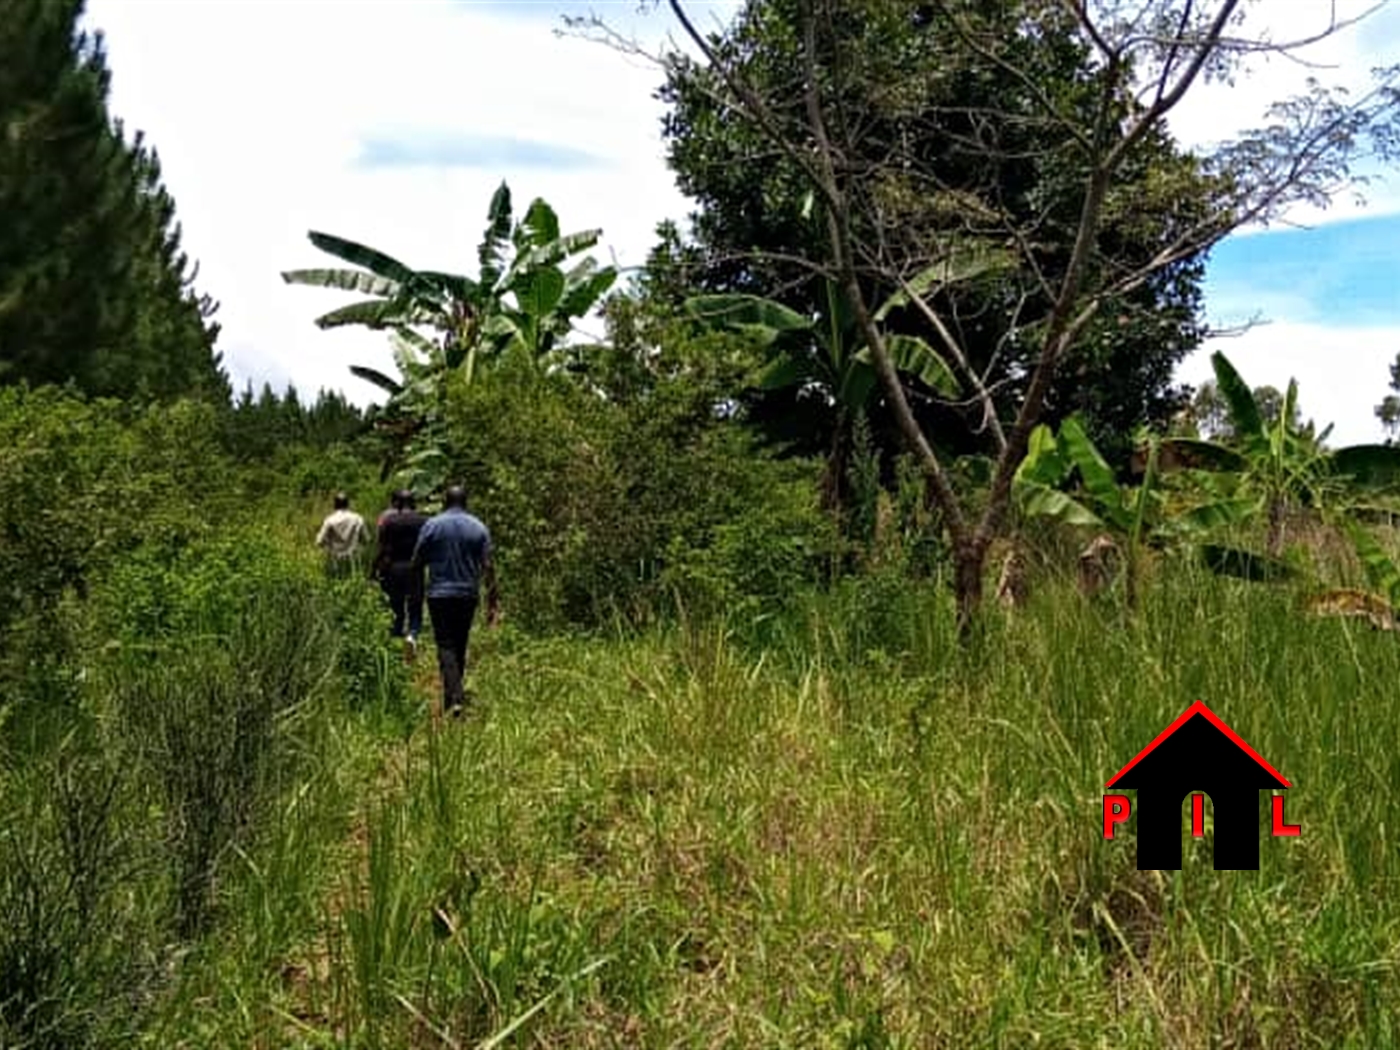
456 550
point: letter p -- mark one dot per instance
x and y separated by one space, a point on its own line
1116 809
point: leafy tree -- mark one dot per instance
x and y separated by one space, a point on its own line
1388 411
822 361
94 287
1277 466
1209 412
967 132
1092 143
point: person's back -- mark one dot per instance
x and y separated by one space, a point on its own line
343 532
401 582
455 548
398 536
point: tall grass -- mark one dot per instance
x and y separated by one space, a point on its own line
173 773
832 827
838 829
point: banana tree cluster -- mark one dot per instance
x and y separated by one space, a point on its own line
1128 515
1266 470
522 302
1271 468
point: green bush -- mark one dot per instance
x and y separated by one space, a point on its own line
599 509
83 481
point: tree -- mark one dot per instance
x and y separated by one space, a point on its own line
94 287
1388 411
1275 464
1091 134
1210 414
822 361
752 200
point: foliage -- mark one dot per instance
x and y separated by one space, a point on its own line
1388 411
598 508
260 426
1276 465
522 303
823 359
94 288
967 131
82 481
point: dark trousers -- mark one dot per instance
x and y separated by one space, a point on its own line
452 625
404 589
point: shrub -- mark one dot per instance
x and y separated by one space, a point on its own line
598 508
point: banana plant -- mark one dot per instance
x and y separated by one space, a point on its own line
521 301
825 354
1272 467
1134 516
1130 515
1380 605
537 301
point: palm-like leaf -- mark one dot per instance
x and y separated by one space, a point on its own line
347 280
371 259
491 255
958 266
1367 465
1038 500
372 313
910 354
1245 416
746 310
378 378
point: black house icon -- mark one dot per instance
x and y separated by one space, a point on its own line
1198 752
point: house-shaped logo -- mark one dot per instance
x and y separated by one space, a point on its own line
1197 753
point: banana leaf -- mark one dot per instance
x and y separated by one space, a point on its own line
1244 409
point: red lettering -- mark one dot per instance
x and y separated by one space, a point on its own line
1280 828
1198 816
1116 809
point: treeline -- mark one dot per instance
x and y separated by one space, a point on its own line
260 424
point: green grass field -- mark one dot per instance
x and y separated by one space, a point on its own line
834 829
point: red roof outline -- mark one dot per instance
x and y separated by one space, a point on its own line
1199 708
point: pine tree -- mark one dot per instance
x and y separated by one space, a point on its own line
93 284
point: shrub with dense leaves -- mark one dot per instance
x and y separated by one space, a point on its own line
598 508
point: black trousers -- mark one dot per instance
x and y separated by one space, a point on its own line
404 589
452 626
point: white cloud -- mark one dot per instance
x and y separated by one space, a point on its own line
1214 112
1342 374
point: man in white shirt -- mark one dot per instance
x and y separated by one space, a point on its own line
343 536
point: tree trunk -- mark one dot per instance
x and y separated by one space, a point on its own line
833 481
969 564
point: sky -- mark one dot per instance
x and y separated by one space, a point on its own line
391 122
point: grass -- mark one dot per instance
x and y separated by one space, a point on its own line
836 829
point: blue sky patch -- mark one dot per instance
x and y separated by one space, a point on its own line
469 151
1345 275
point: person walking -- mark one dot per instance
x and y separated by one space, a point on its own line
343 537
455 548
401 583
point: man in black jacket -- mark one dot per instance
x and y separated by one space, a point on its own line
402 584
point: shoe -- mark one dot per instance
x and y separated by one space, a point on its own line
410 648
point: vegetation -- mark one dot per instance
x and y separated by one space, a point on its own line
94 288
751 763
